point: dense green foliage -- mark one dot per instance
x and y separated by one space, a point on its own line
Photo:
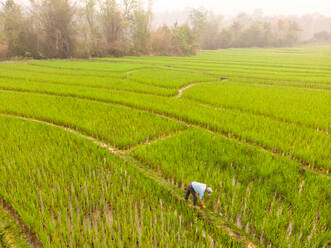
272 134
120 126
80 195
168 78
258 191
310 108
252 124
10 76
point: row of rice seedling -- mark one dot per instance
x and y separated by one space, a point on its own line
283 67
318 57
287 63
244 63
254 73
294 67
315 60
168 78
79 195
300 142
291 84
218 60
273 76
230 65
212 65
85 65
10 78
22 68
287 138
120 126
265 195
105 80
309 107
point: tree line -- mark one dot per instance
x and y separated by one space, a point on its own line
64 29
90 28
245 31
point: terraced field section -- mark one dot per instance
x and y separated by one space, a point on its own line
98 153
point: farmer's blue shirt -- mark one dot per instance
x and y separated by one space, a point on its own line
199 188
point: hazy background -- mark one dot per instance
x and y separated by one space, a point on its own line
233 7
87 28
307 12
313 16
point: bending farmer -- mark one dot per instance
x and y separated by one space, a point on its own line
197 190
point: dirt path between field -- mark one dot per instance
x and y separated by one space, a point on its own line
128 73
141 168
181 90
186 87
156 139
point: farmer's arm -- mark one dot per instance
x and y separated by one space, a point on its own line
201 202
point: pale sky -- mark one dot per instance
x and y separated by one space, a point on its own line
231 7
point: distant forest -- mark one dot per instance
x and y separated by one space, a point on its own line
90 28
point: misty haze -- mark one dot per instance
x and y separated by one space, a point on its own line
67 28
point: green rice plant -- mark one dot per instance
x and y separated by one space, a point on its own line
168 78
87 65
302 143
22 69
79 195
107 80
253 189
259 64
43 81
120 126
290 84
280 57
259 138
309 107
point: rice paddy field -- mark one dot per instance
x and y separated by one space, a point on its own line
98 152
